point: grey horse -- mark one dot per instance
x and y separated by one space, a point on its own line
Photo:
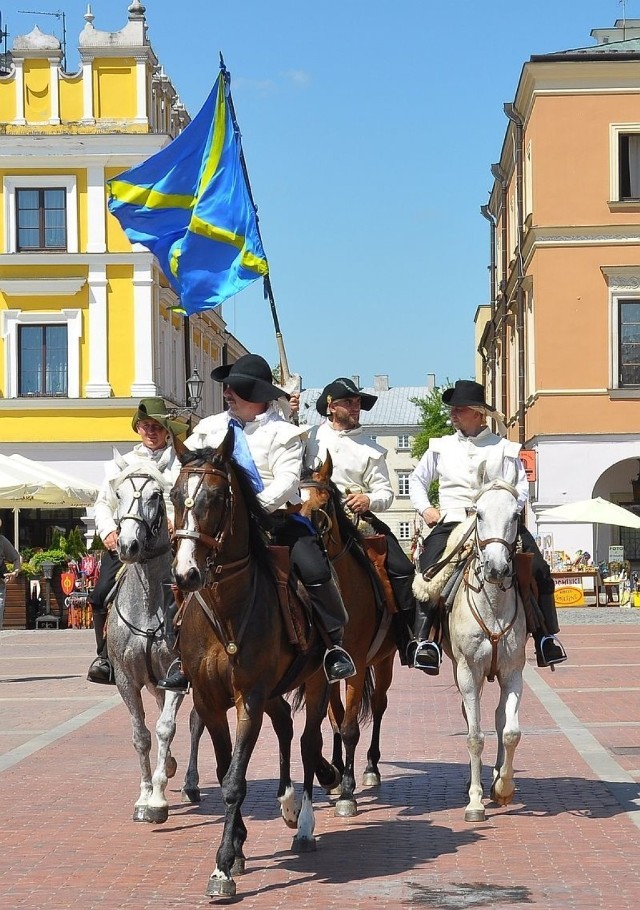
139 631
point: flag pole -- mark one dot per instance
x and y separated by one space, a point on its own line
285 376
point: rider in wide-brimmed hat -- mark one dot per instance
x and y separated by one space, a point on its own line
156 429
269 448
460 462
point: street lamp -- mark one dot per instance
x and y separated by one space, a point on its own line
194 389
47 620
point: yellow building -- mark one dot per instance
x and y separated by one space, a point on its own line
560 340
86 321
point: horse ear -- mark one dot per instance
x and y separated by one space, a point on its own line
225 449
180 449
326 470
121 464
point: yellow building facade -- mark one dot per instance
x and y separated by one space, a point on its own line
87 325
559 344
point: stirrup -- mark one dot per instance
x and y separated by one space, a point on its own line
426 656
101 671
551 661
175 680
346 671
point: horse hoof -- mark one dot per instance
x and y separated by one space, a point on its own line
346 808
303 845
238 867
191 795
370 779
220 887
475 815
139 814
170 767
156 815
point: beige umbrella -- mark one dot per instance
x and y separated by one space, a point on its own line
591 511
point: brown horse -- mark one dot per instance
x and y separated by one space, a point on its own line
369 638
235 647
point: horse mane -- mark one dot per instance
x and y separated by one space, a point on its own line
143 466
260 521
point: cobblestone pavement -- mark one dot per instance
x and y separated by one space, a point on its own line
69 779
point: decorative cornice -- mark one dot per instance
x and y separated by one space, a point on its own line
41 287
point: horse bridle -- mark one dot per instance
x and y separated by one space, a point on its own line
151 527
214 542
482 543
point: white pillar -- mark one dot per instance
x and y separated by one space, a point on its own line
96 210
143 335
98 383
19 119
54 88
142 106
88 115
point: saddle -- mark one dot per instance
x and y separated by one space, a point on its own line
295 604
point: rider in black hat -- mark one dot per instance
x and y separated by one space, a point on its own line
270 449
458 461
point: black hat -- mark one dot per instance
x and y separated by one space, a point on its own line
250 378
466 394
343 388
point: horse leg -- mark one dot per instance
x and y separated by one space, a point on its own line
346 805
379 702
316 701
279 711
250 713
157 810
508 731
141 743
470 690
191 785
336 717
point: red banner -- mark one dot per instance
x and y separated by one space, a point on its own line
68 582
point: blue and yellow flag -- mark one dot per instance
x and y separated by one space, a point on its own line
191 206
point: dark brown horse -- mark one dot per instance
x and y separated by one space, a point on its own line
235 647
369 638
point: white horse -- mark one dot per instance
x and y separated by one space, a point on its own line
487 636
138 634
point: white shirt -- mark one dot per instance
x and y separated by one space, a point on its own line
359 463
106 504
276 447
462 464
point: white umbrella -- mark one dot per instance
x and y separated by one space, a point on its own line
591 511
79 492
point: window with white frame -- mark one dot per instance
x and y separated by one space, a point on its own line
40 213
404 530
628 342
403 482
404 442
42 353
42 360
628 166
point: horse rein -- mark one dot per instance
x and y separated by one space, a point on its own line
216 541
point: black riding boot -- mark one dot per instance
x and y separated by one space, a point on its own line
422 653
549 651
101 669
402 587
328 605
176 679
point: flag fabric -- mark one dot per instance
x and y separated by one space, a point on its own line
191 207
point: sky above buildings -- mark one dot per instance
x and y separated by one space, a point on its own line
369 129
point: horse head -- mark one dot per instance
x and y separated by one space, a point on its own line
218 517
141 513
496 506
315 488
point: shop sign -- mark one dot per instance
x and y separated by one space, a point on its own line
616 554
528 459
568 580
568 596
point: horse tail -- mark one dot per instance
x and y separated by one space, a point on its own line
298 698
365 712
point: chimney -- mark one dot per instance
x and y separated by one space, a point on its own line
431 382
356 381
381 383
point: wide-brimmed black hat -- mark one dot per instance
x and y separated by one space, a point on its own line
250 378
466 394
343 388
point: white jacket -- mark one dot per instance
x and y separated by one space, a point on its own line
462 464
106 504
276 447
359 463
